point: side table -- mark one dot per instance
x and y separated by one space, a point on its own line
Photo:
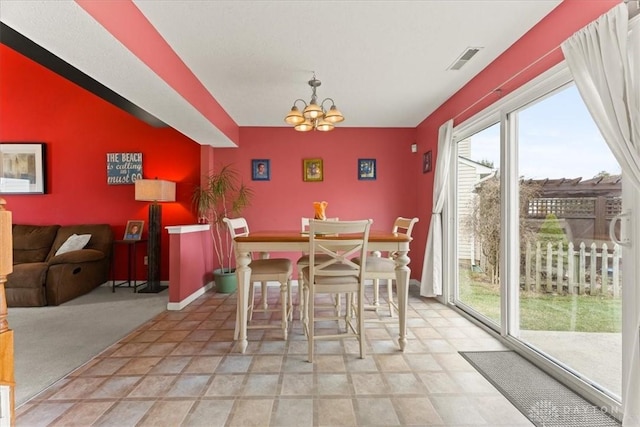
132 261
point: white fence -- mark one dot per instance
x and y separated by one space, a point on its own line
548 267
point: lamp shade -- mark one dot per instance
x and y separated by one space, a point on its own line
313 111
294 117
334 115
324 126
305 126
155 190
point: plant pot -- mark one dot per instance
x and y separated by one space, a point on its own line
226 281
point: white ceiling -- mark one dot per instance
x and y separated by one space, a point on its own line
383 62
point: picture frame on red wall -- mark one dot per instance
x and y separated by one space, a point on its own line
367 169
312 170
23 168
426 162
260 169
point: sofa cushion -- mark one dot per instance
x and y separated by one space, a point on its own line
32 243
73 243
101 237
28 275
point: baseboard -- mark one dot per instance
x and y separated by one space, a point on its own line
172 306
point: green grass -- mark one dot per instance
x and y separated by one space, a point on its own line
545 312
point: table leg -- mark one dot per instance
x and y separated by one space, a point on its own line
244 281
402 283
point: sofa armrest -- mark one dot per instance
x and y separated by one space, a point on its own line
76 257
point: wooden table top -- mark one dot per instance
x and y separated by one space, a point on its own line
285 236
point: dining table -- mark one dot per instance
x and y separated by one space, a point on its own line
266 242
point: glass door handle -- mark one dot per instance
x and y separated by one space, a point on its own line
624 240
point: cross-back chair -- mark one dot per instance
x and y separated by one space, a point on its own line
264 270
331 271
384 268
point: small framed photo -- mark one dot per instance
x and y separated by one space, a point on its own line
312 170
23 168
134 229
426 162
367 169
260 169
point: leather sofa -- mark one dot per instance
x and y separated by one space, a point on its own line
40 277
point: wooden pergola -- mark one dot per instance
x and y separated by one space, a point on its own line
586 205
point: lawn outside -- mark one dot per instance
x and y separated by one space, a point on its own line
544 311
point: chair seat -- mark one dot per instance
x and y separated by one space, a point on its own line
304 259
376 264
271 266
334 280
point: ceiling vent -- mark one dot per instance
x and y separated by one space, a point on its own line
464 58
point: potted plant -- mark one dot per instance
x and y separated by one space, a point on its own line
222 195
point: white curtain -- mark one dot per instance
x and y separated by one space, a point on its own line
431 283
604 59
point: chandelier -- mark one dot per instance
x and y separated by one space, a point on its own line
314 116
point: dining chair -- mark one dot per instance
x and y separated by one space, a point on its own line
303 262
337 242
264 270
384 268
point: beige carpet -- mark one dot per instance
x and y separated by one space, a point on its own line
51 342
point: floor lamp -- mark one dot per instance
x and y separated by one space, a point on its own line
154 191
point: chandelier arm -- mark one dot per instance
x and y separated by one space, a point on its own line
301 100
328 99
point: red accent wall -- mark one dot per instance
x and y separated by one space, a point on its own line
280 202
79 129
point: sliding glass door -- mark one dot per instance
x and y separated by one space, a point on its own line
536 191
570 270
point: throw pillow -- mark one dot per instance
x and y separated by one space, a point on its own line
74 243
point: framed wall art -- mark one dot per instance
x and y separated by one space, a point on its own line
312 170
123 168
367 169
23 168
260 169
426 162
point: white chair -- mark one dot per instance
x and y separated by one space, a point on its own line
381 268
338 242
264 270
303 262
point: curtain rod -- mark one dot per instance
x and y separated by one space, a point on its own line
634 10
498 89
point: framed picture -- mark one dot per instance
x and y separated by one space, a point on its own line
312 170
260 169
367 169
426 162
23 168
134 229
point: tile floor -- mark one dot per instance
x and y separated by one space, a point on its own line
179 369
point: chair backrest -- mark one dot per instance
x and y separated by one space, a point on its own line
341 241
237 227
404 225
304 223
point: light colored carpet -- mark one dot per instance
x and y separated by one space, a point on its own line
51 342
